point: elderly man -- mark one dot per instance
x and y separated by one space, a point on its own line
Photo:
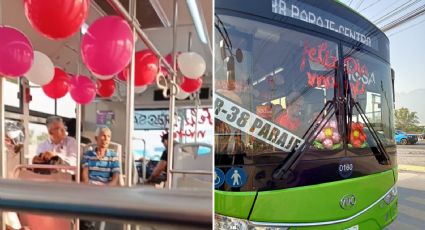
58 144
101 165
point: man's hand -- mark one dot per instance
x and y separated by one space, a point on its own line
46 156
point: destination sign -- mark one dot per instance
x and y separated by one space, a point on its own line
254 125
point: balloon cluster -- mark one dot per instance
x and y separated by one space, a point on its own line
357 136
328 137
106 50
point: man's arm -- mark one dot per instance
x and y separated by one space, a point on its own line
71 155
160 167
114 180
43 157
85 175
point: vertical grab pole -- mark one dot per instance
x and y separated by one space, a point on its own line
172 101
78 139
26 113
2 144
2 128
130 104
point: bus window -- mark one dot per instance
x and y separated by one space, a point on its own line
37 134
40 102
11 97
370 84
66 107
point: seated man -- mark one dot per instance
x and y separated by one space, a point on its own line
162 164
101 166
291 118
59 148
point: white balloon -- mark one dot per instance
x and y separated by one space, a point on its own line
192 65
42 70
140 89
100 77
181 95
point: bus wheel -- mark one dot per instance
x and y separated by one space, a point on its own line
403 141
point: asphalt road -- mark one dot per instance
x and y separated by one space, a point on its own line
411 203
411 154
411 188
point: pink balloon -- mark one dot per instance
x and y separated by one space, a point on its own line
107 46
336 137
328 143
82 89
321 136
16 52
333 124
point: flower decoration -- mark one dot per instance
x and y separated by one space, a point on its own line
357 135
328 137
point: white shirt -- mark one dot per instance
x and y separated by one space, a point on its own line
66 149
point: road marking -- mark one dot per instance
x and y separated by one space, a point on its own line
406 175
397 225
411 168
415 199
411 212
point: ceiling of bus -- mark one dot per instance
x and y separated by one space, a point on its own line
155 17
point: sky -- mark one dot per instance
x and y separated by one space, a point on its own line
407 48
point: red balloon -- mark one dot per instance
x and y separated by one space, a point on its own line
56 19
123 75
58 87
146 67
169 59
191 85
105 88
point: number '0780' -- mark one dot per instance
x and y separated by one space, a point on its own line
345 167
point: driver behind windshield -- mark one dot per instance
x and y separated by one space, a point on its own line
291 117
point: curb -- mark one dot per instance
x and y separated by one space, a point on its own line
414 168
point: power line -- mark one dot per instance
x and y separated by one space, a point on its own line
396 11
389 7
349 4
411 26
367 7
403 19
359 4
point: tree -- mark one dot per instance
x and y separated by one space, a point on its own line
406 120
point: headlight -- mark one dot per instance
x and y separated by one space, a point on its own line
225 222
391 195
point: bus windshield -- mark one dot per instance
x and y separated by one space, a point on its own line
271 85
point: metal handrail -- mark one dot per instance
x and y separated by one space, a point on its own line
112 203
119 8
202 172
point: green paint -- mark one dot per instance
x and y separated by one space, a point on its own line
375 218
316 203
235 204
320 202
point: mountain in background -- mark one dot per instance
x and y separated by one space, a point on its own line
414 101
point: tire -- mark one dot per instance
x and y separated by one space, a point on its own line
403 141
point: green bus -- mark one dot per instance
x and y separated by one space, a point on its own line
304 117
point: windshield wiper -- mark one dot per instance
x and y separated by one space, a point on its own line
318 124
283 169
381 155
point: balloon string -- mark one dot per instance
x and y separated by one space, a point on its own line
1 12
